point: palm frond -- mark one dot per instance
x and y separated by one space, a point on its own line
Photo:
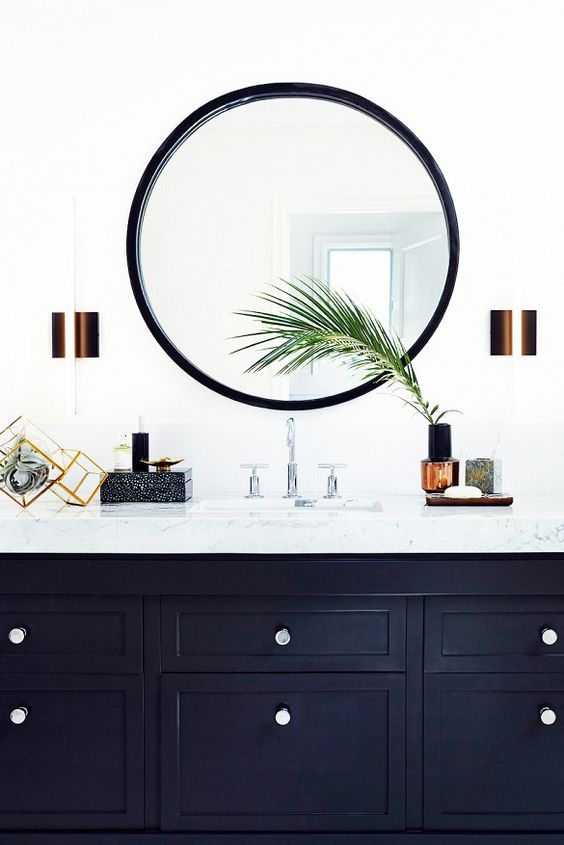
310 321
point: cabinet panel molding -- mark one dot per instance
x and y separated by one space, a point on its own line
335 761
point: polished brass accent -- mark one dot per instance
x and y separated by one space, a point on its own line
58 342
82 479
528 332
501 332
73 476
15 435
436 476
163 464
86 334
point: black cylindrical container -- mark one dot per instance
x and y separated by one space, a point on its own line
440 442
139 451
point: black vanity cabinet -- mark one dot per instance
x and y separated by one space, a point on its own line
281 701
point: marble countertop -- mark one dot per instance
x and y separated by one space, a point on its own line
403 524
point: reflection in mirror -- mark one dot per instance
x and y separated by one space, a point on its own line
282 188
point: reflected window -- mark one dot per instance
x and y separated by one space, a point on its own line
365 274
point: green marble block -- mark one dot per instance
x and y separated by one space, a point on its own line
484 473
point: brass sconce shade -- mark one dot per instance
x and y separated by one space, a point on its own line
501 332
58 344
528 332
86 334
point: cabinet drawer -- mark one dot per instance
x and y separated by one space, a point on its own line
283 634
73 756
485 634
490 762
282 752
70 634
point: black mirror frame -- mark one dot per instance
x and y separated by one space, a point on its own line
266 92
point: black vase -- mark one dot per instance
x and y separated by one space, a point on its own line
440 442
440 470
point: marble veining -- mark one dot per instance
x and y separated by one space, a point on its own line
404 524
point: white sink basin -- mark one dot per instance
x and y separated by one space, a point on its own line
280 505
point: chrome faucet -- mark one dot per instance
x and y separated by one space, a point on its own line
292 491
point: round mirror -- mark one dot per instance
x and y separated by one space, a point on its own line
288 181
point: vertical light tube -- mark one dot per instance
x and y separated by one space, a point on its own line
86 334
501 332
58 338
528 332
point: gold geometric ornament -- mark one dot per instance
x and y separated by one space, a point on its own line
30 462
82 478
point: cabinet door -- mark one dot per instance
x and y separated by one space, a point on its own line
283 752
71 752
490 761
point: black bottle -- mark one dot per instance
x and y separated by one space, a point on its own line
140 449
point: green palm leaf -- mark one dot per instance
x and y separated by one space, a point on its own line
311 321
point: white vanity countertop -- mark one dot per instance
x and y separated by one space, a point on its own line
403 525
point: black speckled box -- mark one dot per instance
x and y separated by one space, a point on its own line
172 486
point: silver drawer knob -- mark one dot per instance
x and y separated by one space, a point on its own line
549 636
17 635
547 715
19 715
282 636
283 716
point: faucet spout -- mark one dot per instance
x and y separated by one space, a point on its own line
291 439
292 489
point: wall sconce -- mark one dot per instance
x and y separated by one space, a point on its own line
58 340
502 331
86 334
86 326
528 332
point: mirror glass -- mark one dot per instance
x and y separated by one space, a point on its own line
285 188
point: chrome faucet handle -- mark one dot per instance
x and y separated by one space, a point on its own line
254 480
332 480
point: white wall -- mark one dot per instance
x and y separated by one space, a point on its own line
91 88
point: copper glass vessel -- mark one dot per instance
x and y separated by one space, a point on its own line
440 470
